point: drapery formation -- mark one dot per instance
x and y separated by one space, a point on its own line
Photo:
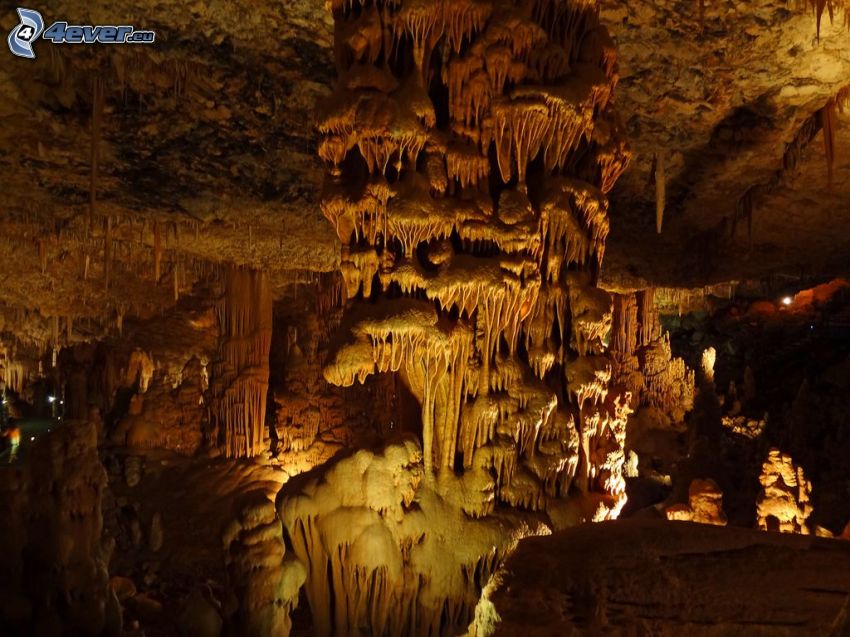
241 375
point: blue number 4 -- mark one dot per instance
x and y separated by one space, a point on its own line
56 32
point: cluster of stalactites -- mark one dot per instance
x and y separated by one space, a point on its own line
643 361
500 330
529 78
241 375
12 371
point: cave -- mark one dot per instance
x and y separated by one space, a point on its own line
428 318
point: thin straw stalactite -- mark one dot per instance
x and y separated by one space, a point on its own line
660 192
829 126
96 116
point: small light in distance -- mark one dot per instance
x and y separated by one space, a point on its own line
51 399
786 300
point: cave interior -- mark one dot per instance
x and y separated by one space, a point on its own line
436 318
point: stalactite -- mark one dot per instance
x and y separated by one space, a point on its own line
157 251
107 251
831 7
176 281
96 116
829 126
42 254
660 191
240 376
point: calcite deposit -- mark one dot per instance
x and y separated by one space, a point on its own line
784 503
705 505
480 269
262 583
643 363
240 378
385 552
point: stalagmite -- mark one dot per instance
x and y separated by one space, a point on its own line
705 505
784 503
262 582
709 356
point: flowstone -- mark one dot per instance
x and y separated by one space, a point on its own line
385 553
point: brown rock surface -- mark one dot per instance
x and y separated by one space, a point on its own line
729 97
670 579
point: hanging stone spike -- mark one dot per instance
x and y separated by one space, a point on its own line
660 191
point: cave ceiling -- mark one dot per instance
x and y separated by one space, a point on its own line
207 139
729 103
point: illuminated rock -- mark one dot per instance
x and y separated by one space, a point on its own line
784 503
705 505
385 551
642 361
262 582
240 377
467 185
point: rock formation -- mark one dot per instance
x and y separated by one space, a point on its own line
469 150
262 582
709 357
240 377
643 363
705 505
751 428
165 412
784 503
385 552
313 419
54 567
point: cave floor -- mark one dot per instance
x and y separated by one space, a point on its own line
637 577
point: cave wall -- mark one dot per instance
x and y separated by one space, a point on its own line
54 568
